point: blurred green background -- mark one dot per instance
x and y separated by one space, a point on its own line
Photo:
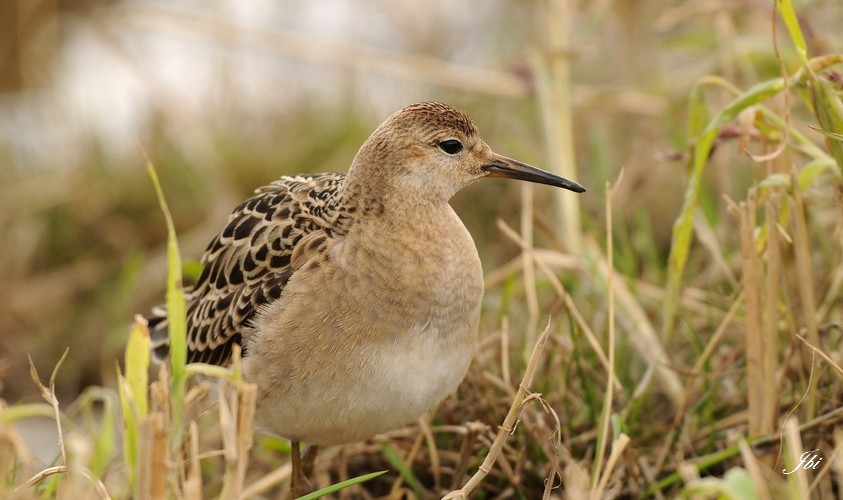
226 96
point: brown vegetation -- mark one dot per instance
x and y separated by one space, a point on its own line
695 341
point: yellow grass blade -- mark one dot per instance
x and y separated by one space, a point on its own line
683 227
176 320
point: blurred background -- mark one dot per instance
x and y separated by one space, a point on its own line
226 96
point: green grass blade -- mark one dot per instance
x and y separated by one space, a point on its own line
137 367
104 437
826 105
55 373
23 411
810 172
130 430
212 371
133 394
789 17
735 485
832 135
339 486
176 321
697 111
401 466
683 227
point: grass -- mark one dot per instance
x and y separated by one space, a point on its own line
694 347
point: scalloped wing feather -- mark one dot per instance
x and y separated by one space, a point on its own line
247 265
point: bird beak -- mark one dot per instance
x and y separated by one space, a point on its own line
501 166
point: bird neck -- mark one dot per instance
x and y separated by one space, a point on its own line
374 197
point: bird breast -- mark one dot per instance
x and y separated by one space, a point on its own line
366 341
429 265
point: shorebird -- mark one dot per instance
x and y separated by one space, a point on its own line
355 297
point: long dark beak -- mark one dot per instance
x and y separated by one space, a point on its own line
501 166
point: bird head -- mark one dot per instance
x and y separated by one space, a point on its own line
434 150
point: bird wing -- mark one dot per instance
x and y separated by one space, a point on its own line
247 265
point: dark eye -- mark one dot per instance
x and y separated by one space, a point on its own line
451 146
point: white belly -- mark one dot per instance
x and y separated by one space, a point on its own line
396 383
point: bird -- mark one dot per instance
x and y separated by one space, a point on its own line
355 297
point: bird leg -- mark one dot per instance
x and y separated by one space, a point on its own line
308 459
302 467
296 475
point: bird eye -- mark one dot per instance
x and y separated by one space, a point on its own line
451 146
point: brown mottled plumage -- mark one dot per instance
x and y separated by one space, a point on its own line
356 296
248 263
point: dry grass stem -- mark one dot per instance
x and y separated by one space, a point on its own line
528 267
693 386
560 291
553 86
560 261
49 395
706 236
98 485
193 483
798 479
836 368
237 423
805 284
642 333
760 368
717 336
505 374
831 465
466 451
770 338
508 426
831 296
267 482
608 399
432 450
754 468
398 484
152 457
618 447
693 300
